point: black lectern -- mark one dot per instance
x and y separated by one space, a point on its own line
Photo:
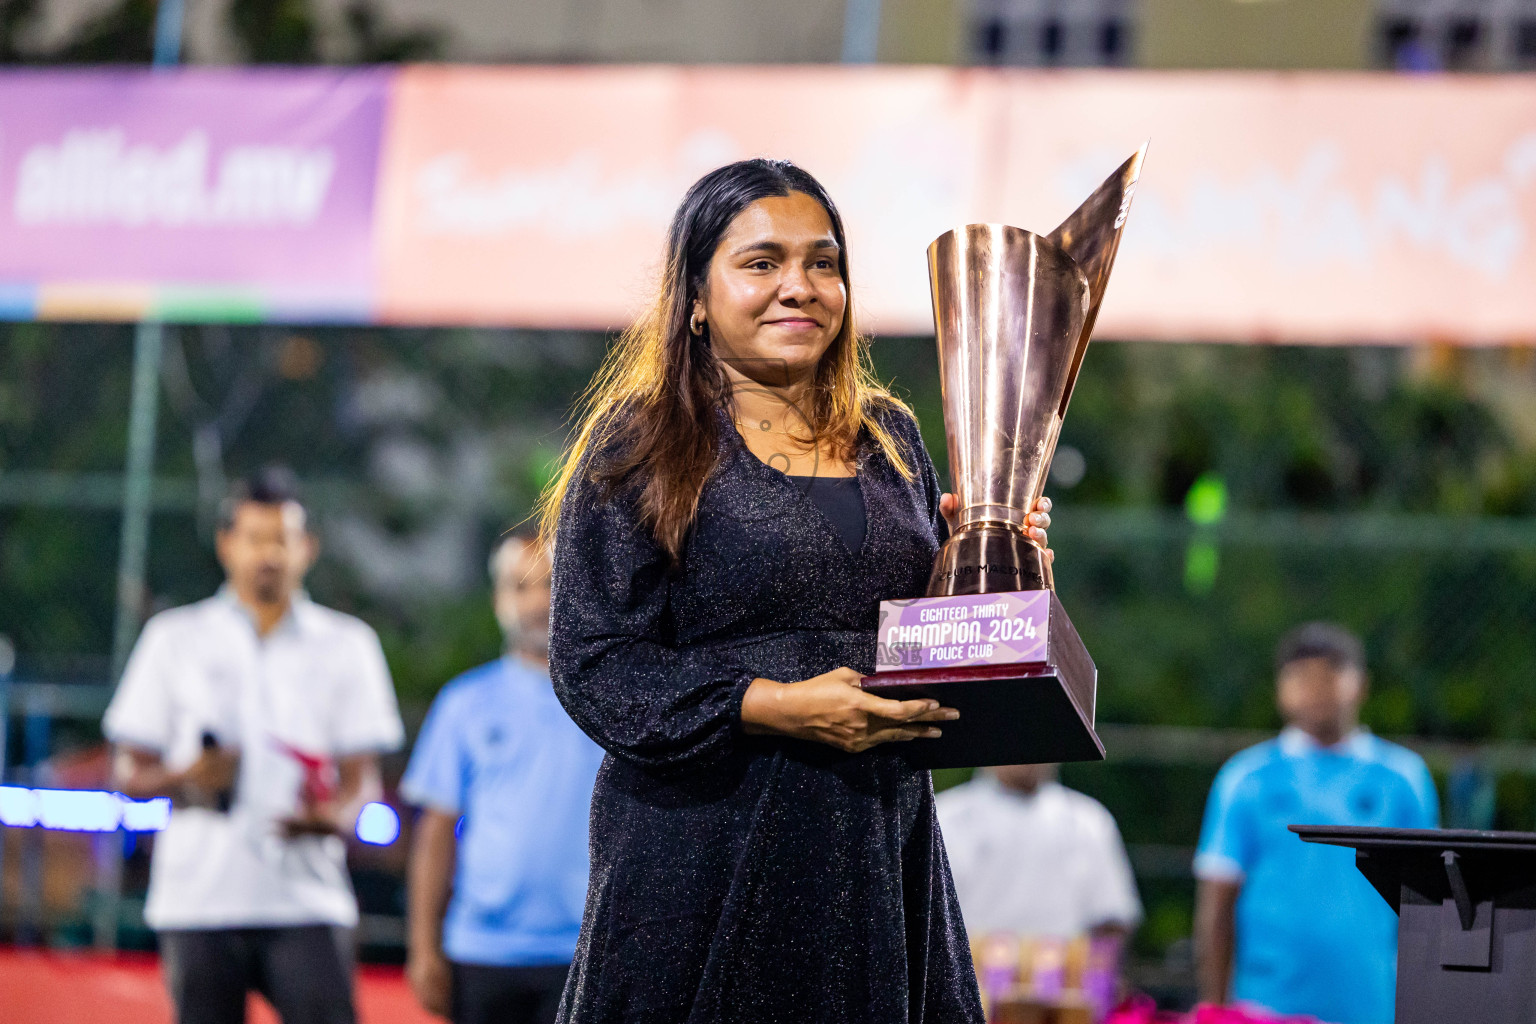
1466 907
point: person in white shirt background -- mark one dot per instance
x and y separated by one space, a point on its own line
262 716
1035 859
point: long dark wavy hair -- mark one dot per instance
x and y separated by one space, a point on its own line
651 407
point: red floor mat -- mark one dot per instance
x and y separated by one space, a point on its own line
68 988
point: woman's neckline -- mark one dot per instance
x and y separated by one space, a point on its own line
736 438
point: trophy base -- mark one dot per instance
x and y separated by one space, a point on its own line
989 558
1035 709
1009 714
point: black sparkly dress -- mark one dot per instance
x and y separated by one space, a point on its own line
745 879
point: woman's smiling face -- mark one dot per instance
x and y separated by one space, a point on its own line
775 296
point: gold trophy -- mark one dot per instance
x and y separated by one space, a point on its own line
1013 312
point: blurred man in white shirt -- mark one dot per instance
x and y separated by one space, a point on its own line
262 716
1034 858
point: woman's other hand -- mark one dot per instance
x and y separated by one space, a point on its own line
832 708
1039 520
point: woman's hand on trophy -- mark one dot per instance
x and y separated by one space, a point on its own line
1039 520
833 709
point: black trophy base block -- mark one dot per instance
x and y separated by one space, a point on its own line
1009 714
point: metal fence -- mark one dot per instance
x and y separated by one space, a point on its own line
417 448
1445 606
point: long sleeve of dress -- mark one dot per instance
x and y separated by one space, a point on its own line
612 660
917 454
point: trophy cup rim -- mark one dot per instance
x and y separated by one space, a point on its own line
1004 228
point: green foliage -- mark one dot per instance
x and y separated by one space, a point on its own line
266 32
427 444
123 34
1222 432
374 42
401 430
275 31
16 18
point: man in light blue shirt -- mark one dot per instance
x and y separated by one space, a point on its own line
504 779
1288 926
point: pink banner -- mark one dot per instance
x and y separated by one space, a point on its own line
193 194
1314 208
1305 207
541 196
1311 208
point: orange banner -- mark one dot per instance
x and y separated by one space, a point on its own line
1309 208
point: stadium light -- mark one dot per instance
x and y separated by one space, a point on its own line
378 824
146 815
81 810
94 810
78 810
18 807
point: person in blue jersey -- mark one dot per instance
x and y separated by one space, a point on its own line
496 904
1292 927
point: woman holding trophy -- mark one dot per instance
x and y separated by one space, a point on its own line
740 496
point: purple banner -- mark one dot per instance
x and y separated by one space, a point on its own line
253 189
977 629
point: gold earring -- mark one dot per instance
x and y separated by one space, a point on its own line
696 323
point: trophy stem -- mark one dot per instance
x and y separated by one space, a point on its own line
989 558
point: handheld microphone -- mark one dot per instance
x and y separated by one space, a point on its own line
223 798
